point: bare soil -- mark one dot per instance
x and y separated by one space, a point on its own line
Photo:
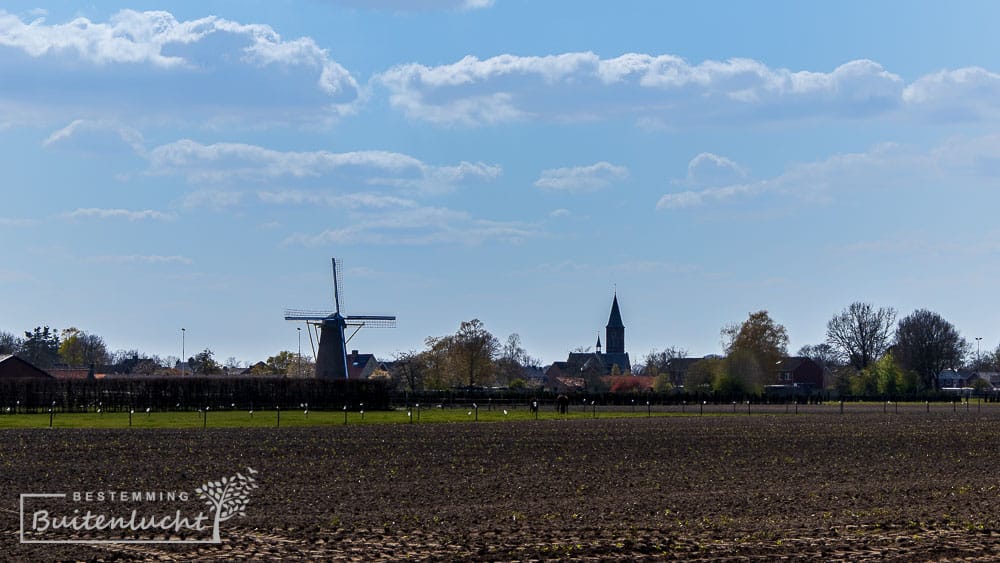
855 487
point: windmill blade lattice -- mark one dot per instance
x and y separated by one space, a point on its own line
331 360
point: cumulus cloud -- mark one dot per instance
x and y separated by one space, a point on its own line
97 213
884 166
223 162
956 95
584 86
666 91
150 64
419 226
581 178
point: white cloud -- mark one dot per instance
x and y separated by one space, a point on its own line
149 64
667 88
97 213
581 178
140 259
665 91
963 94
561 212
709 169
222 162
419 226
89 135
885 166
347 201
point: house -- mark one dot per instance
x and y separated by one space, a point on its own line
361 366
14 368
954 378
799 371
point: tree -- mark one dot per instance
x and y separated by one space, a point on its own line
927 344
702 374
282 363
468 356
203 363
657 362
408 370
742 373
41 347
9 343
825 355
512 361
765 340
79 348
861 333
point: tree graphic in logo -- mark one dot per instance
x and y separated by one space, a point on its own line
228 496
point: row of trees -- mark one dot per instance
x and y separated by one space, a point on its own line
46 348
471 356
866 350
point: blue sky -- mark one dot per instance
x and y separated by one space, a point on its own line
512 161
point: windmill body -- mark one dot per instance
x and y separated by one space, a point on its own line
331 357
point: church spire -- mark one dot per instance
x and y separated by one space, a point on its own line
615 320
598 343
615 330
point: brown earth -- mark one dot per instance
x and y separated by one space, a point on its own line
855 487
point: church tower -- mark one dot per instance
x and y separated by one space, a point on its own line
615 330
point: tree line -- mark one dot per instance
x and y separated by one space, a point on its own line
868 351
48 348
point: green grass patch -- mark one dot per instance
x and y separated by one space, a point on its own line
269 418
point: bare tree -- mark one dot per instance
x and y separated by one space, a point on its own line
928 344
408 370
656 361
861 333
823 354
9 343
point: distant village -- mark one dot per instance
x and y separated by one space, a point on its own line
868 353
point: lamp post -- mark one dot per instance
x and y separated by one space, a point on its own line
183 361
979 359
299 372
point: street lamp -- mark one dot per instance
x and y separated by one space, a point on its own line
299 372
183 361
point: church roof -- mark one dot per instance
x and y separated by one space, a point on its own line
615 320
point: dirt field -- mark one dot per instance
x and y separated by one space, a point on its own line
912 486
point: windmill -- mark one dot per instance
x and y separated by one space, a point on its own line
331 361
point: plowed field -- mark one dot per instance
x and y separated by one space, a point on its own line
848 487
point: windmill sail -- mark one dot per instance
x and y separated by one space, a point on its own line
331 360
